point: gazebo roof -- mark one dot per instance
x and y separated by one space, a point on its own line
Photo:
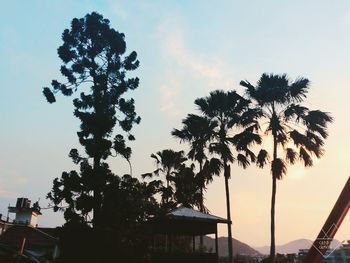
186 221
191 214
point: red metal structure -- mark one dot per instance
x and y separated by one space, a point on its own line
330 227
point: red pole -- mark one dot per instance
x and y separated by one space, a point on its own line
330 227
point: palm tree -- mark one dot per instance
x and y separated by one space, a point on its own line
198 131
186 189
298 133
167 161
235 125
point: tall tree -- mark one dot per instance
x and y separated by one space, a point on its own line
198 131
298 133
235 126
95 64
168 161
186 189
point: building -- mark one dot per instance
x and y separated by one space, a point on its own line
22 236
25 214
174 236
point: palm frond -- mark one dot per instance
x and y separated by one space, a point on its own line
223 150
295 111
278 168
262 158
250 88
291 155
250 154
281 138
315 138
272 88
245 139
215 166
242 160
317 121
299 88
305 157
307 142
183 135
155 157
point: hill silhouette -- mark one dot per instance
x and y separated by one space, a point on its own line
238 246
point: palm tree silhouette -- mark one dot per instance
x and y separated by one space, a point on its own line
186 189
235 124
297 132
198 131
167 161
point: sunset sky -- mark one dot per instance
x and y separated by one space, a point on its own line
186 49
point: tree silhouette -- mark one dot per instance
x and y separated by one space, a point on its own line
95 65
297 132
186 188
235 126
198 131
168 161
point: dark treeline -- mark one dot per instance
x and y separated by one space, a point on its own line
104 211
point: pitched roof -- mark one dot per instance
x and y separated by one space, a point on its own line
188 213
35 238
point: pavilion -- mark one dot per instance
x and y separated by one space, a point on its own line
174 236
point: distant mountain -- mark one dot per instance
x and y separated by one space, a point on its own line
291 247
238 246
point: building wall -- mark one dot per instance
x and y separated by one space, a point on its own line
26 218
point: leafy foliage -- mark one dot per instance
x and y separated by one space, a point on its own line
198 131
94 64
168 162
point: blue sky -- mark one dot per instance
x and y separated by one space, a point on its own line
186 49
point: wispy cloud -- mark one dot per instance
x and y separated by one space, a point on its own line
172 35
185 66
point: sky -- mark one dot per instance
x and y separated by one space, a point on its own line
186 49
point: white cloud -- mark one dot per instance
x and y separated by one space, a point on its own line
184 66
172 36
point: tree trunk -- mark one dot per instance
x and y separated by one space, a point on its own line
273 201
201 243
229 230
97 194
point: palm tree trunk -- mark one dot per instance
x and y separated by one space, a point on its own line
273 201
201 243
229 230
